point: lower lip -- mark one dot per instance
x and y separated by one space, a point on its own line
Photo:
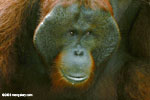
76 79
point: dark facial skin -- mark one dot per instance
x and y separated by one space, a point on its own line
82 36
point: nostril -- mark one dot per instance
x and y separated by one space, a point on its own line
78 53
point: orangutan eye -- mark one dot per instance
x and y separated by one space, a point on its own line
88 33
71 33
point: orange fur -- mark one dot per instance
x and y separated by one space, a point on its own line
11 18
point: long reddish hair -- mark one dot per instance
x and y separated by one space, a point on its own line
12 19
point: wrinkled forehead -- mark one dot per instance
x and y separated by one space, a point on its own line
78 13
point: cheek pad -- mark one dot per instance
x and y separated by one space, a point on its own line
47 33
